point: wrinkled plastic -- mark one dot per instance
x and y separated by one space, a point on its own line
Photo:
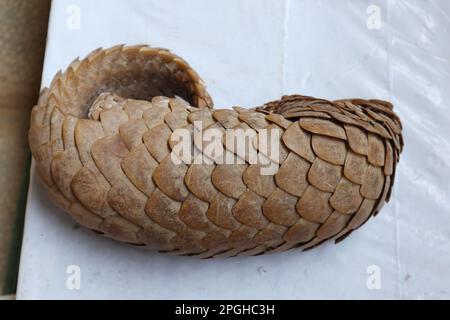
249 52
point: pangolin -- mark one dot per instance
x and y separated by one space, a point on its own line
102 140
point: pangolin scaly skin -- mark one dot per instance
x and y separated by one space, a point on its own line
101 139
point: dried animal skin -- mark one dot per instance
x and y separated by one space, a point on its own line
101 136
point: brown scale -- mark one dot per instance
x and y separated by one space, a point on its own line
101 139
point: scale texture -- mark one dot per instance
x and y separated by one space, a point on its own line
101 136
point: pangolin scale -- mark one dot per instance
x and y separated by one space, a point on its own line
101 139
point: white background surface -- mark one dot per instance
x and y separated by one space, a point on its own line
249 52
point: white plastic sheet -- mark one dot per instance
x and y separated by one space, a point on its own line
248 52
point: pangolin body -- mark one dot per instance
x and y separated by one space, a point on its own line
101 136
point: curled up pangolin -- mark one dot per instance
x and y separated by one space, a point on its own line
102 136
